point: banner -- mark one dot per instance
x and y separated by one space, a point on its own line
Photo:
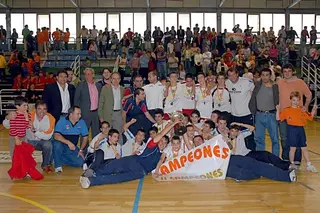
236 37
206 162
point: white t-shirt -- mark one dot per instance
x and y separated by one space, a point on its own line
172 102
109 152
240 93
170 154
203 102
221 100
154 95
94 140
160 127
239 145
131 146
187 99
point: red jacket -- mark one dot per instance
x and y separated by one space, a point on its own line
23 163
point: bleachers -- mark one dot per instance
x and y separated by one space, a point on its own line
64 58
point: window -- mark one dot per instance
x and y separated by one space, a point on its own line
266 21
170 20
126 22
318 23
31 20
69 20
87 20
3 21
157 20
43 21
139 23
113 22
196 18
56 21
296 22
308 20
253 21
184 21
227 22
210 20
279 20
100 20
241 19
17 23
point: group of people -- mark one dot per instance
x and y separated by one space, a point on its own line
216 105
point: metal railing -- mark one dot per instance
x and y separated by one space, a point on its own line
7 98
76 65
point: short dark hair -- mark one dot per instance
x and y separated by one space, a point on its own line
172 73
137 91
153 128
113 131
235 127
141 130
158 112
195 111
266 70
137 76
216 112
288 66
189 125
72 109
18 101
106 68
189 75
105 122
40 102
61 71
210 123
201 73
198 136
232 69
166 138
176 137
222 118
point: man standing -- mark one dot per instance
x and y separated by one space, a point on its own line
25 33
87 98
147 39
287 85
137 83
66 136
240 90
154 93
181 34
265 98
110 107
59 96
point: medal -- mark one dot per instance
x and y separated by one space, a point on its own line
219 105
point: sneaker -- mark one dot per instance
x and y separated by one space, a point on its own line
293 176
47 169
311 168
58 169
85 182
88 173
84 167
293 167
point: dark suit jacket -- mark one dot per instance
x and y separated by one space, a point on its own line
52 97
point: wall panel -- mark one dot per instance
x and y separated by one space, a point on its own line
274 4
88 3
228 3
170 3
56 3
139 3
258 3
38 4
208 3
103 3
20 3
307 4
157 3
191 3
241 4
123 3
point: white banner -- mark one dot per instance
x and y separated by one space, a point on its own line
236 37
206 162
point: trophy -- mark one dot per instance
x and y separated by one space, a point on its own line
179 129
176 114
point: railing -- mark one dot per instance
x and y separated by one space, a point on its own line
7 98
75 66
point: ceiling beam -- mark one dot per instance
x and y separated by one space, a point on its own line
4 5
294 3
222 2
74 3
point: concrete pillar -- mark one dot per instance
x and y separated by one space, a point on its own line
78 27
219 21
149 18
8 23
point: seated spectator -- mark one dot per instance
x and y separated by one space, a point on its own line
32 95
17 82
41 81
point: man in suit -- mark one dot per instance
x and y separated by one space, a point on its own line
110 106
87 98
59 96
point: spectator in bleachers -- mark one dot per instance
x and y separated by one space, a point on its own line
32 95
41 42
25 33
17 82
3 65
14 38
50 78
66 39
106 79
84 34
102 38
41 81
30 44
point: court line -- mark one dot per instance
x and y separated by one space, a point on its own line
306 186
38 205
137 198
314 152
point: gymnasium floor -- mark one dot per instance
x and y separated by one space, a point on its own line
62 192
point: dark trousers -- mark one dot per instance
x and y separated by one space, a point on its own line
248 119
122 72
117 171
94 160
144 73
246 168
267 157
283 126
2 73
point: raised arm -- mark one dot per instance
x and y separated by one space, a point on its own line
160 135
247 126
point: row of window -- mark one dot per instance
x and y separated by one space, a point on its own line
120 22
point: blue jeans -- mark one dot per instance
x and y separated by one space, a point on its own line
267 121
46 148
62 155
162 69
117 171
246 168
283 126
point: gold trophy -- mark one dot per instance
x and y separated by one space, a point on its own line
176 114
179 129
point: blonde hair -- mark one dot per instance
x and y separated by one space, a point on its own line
295 94
88 69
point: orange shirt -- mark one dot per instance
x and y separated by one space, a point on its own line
56 35
41 38
66 36
37 59
41 83
46 35
286 88
295 116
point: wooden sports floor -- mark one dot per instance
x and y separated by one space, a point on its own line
62 192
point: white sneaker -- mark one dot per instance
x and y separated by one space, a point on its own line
311 168
58 169
293 176
85 182
84 167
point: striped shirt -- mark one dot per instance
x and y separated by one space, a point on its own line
18 126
